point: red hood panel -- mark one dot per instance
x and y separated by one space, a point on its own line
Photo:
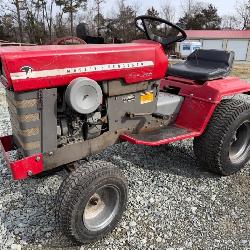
29 68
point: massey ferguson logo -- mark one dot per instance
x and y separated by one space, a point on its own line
27 69
28 72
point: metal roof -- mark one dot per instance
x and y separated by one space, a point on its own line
223 34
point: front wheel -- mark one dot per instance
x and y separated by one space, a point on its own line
224 148
91 201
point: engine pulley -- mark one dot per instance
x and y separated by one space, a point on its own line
83 95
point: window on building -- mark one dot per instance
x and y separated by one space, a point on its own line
186 47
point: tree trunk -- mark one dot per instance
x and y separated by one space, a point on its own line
44 17
71 18
48 17
71 21
19 20
98 18
50 21
50 29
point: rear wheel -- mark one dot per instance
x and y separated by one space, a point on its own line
91 201
224 148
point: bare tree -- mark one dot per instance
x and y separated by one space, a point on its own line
71 7
44 11
48 9
124 26
190 7
8 31
230 22
243 10
168 11
99 17
60 28
18 4
187 6
88 16
136 5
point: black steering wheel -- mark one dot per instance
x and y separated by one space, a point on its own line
166 41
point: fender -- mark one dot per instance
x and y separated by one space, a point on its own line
201 100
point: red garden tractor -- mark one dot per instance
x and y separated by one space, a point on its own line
69 102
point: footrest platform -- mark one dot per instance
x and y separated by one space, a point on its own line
160 136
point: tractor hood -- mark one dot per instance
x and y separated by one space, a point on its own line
36 67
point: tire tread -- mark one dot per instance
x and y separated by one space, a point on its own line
208 147
77 181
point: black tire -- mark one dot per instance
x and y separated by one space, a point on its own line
216 148
97 188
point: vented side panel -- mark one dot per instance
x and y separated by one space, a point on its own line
33 118
25 119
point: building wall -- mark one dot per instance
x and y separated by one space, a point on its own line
225 45
178 45
248 52
225 41
240 46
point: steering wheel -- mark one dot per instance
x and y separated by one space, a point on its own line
68 40
166 41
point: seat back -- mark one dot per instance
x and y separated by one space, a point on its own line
212 59
204 65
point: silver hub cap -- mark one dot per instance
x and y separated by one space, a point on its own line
101 208
240 143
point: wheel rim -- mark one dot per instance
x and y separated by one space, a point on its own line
240 143
101 208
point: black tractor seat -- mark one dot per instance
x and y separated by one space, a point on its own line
204 65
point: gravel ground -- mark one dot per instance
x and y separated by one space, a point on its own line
173 203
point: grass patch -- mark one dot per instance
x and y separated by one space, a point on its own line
241 70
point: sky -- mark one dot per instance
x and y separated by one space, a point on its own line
224 6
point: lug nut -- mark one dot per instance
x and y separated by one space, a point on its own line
94 201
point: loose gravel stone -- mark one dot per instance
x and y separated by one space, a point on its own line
16 247
173 203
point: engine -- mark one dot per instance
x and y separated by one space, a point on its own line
80 111
46 119
86 109
72 126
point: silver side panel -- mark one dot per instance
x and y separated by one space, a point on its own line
169 104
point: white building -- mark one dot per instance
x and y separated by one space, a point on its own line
232 40
187 47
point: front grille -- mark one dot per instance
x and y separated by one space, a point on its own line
25 117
